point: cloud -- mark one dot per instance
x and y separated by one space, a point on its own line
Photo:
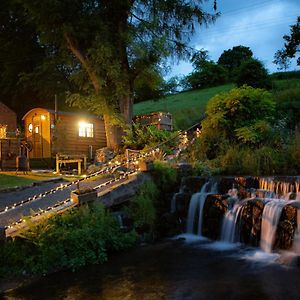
258 25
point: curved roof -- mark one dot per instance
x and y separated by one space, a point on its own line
52 111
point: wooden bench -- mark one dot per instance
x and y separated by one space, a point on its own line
67 159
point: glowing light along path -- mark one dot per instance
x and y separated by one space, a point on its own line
69 200
107 169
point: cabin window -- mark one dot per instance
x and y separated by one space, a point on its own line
37 129
3 131
86 129
30 127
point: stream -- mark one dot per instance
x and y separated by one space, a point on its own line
193 268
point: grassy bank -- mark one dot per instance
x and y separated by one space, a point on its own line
188 107
191 103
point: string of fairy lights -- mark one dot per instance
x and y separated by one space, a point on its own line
107 168
62 204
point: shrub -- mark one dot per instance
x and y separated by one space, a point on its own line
246 161
238 112
142 137
142 207
165 176
288 106
76 238
253 73
293 153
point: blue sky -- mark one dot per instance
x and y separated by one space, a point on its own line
258 24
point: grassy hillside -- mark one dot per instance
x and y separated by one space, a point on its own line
186 107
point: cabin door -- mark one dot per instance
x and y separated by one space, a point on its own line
37 138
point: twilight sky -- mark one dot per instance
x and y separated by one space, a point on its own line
258 24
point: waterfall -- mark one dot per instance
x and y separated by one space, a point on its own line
270 218
196 205
279 187
173 202
228 232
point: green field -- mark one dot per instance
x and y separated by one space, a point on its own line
187 108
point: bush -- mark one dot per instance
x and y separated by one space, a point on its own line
238 113
142 208
293 153
210 144
74 239
288 106
164 175
142 137
253 73
246 161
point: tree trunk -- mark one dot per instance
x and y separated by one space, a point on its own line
114 134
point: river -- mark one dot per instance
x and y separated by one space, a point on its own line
174 269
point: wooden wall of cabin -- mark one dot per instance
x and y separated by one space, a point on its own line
9 149
66 139
8 117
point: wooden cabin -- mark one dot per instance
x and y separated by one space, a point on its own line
9 143
161 120
69 133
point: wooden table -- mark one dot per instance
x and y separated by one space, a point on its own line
67 160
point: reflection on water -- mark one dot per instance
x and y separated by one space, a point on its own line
172 270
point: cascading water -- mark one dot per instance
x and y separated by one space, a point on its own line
279 187
270 218
196 205
173 202
228 232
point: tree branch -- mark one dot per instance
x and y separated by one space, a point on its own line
84 61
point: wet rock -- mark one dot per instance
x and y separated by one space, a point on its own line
182 201
286 228
193 183
247 182
170 224
213 213
225 184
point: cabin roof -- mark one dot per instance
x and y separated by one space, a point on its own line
65 113
5 109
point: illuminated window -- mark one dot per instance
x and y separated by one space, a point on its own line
3 131
36 129
30 127
86 129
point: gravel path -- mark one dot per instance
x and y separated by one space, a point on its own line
9 198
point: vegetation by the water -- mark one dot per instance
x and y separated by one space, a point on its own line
77 238
87 235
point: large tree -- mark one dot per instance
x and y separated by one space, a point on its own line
231 59
206 72
291 47
28 70
108 43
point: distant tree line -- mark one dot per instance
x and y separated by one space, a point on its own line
234 65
